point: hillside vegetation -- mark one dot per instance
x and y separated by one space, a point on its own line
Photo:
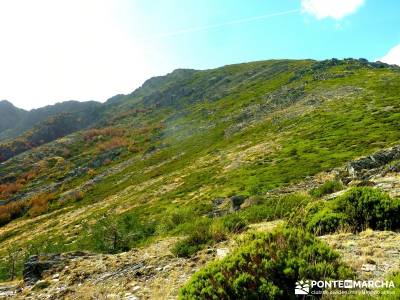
160 161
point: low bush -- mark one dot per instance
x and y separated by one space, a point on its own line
357 209
39 204
276 208
113 143
114 234
8 189
200 237
328 187
369 207
327 221
91 134
233 223
267 266
12 210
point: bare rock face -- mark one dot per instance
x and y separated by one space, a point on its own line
36 265
374 161
236 201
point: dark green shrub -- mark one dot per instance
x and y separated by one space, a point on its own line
267 266
369 207
234 223
275 208
197 240
326 221
328 187
113 234
357 209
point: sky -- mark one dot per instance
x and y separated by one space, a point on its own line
58 50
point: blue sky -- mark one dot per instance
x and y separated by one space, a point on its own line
54 51
370 31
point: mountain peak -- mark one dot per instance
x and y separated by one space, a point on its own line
5 104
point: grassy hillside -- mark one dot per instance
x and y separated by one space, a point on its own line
159 156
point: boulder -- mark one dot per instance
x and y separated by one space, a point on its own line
236 201
36 265
373 161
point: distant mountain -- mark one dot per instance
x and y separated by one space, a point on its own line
21 130
9 117
15 121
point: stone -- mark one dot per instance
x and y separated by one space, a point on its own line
375 160
236 201
222 252
36 265
368 267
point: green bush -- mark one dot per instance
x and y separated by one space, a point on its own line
369 207
233 223
327 221
197 240
113 234
328 187
275 208
357 209
267 266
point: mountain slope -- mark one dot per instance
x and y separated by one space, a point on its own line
161 155
9 116
15 121
22 130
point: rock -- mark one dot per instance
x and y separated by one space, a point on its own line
220 207
250 202
368 267
135 288
218 201
236 201
222 252
375 160
40 285
36 265
8 291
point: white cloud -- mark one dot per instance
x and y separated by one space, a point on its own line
393 56
335 9
60 50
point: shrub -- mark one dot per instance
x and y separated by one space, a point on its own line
8 189
115 142
218 232
328 187
39 204
357 209
113 234
327 221
12 210
75 195
198 239
91 134
369 207
267 266
233 223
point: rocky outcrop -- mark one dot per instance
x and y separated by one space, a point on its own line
376 160
236 201
223 206
36 265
